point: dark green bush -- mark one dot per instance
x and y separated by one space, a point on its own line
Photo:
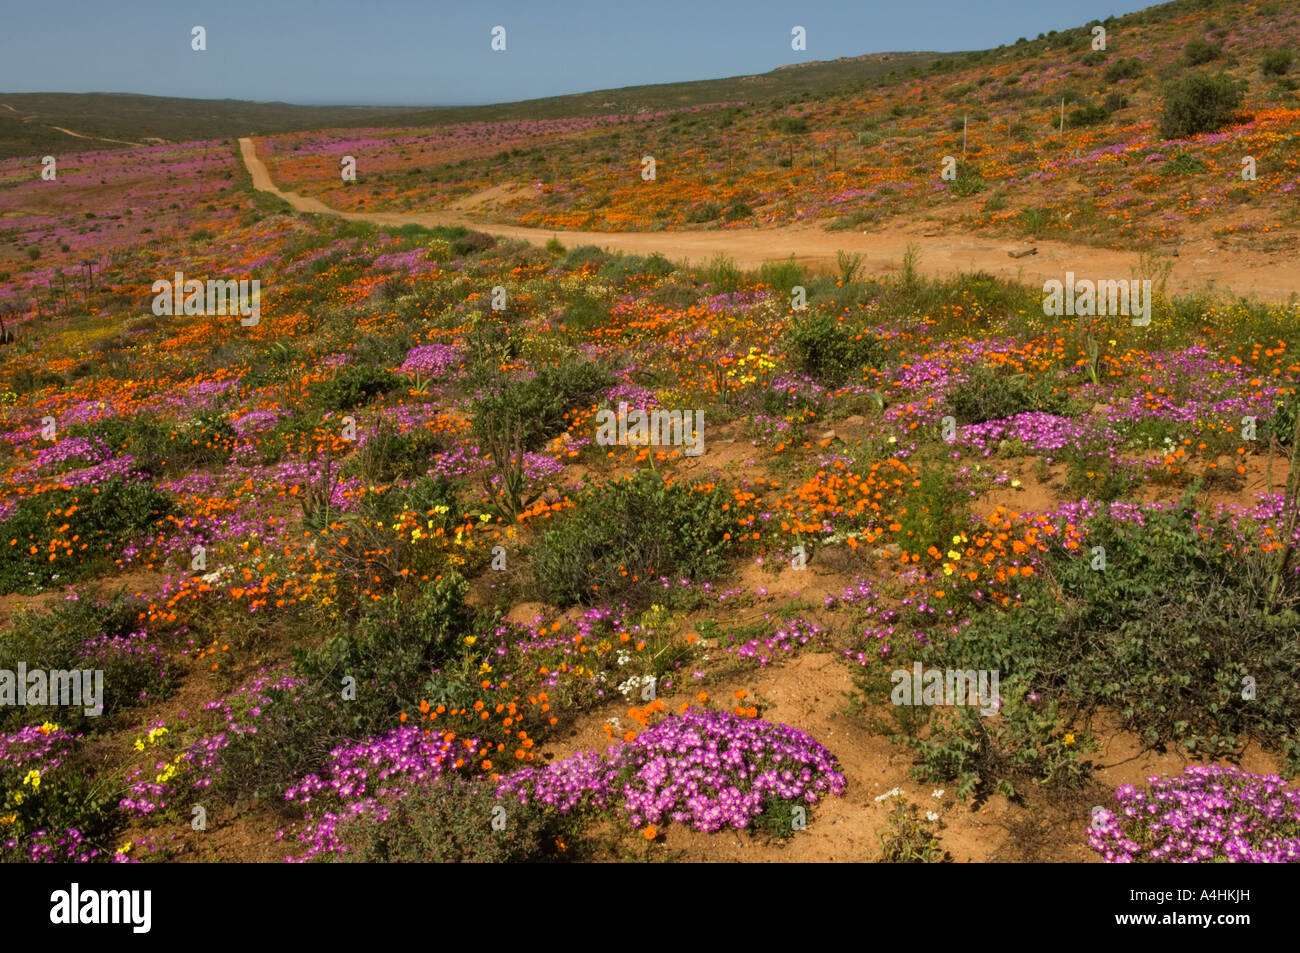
449 820
472 242
390 650
1128 68
623 535
585 311
84 634
585 256
388 455
1198 52
104 516
25 381
354 386
1276 62
988 396
738 211
1199 104
781 275
624 268
539 405
1164 636
703 212
790 125
831 353
1091 114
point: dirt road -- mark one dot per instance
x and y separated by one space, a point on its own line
1200 265
100 138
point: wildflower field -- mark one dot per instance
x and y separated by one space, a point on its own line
370 576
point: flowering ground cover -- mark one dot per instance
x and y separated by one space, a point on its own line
370 579
1050 137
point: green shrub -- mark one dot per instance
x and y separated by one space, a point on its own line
1276 62
1199 104
1183 163
910 838
388 455
703 212
1036 220
1198 52
354 386
391 649
624 534
585 311
738 211
829 352
472 242
790 125
985 396
433 497
84 634
205 439
69 796
624 268
1281 424
450 820
937 509
1115 101
781 275
1128 68
1026 742
539 405
968 181
1164 636
102 517
26 381
1091 114
297 730
585 256
674 295
722 273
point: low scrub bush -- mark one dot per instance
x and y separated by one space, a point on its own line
539 405
1199 104
985 396
830 352
624 534
43 529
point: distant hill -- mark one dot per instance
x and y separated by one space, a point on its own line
28 124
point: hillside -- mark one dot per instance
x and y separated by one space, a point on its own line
28 121
867 158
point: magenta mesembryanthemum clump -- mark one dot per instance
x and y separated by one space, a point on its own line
1209 813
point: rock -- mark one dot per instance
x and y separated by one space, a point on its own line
1024 254
525 613
857 420
885 552
837 559
1100 409
829 435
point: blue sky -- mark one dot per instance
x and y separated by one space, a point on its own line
428 52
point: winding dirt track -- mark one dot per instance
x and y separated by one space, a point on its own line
1200 265
79 135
